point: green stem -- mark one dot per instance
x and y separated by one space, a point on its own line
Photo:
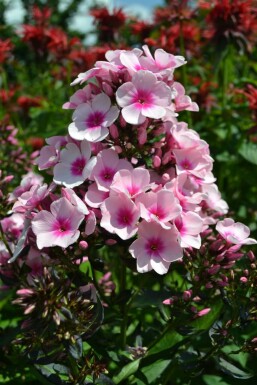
123 308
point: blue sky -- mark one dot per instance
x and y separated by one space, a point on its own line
82 21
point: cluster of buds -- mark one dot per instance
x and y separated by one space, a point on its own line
57 312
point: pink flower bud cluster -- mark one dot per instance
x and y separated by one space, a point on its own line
129 169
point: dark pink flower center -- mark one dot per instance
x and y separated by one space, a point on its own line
154 246
78 166
61 226
143 97
158 212
125 217
107 174
95 119
186 164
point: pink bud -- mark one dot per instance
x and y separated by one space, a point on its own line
83 245
110 242
243 280
24 292
168 301
114 131
187 295
156 161
107 89
203 312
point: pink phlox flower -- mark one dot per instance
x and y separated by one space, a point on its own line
75 165
101 69
234 232
107 164
13 225
131 62
189 194
213 198
162 63
143 97
161 207
114 57
58 227
186 138
90 120
49 155
73 198
132 183
155 248
120 216
29 200
189 225
79 97
27 182
95 197
192 162
182 101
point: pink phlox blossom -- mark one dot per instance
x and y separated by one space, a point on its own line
107 164
182 101
162 63
70 194
29 200
49 155
91 120
188 193
80 96
131 62
155 248
132 183
189 225
59 227
234 232
27 182
95 197
114 57
120 216
75 165
101 69
13 225
184 138
161 207
143 97
213 198
192 162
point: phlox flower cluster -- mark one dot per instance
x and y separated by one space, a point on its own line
129 171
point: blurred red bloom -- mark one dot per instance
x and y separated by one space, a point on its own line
251 95
237 18
5 48
26 102
141 29
36 142
108 23
41 16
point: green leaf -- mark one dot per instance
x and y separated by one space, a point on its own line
153 371
213 380
167 341
249 152
127 371
232 370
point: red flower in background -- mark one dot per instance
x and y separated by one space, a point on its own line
237 18
26 102
41 16
5 49
108 23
